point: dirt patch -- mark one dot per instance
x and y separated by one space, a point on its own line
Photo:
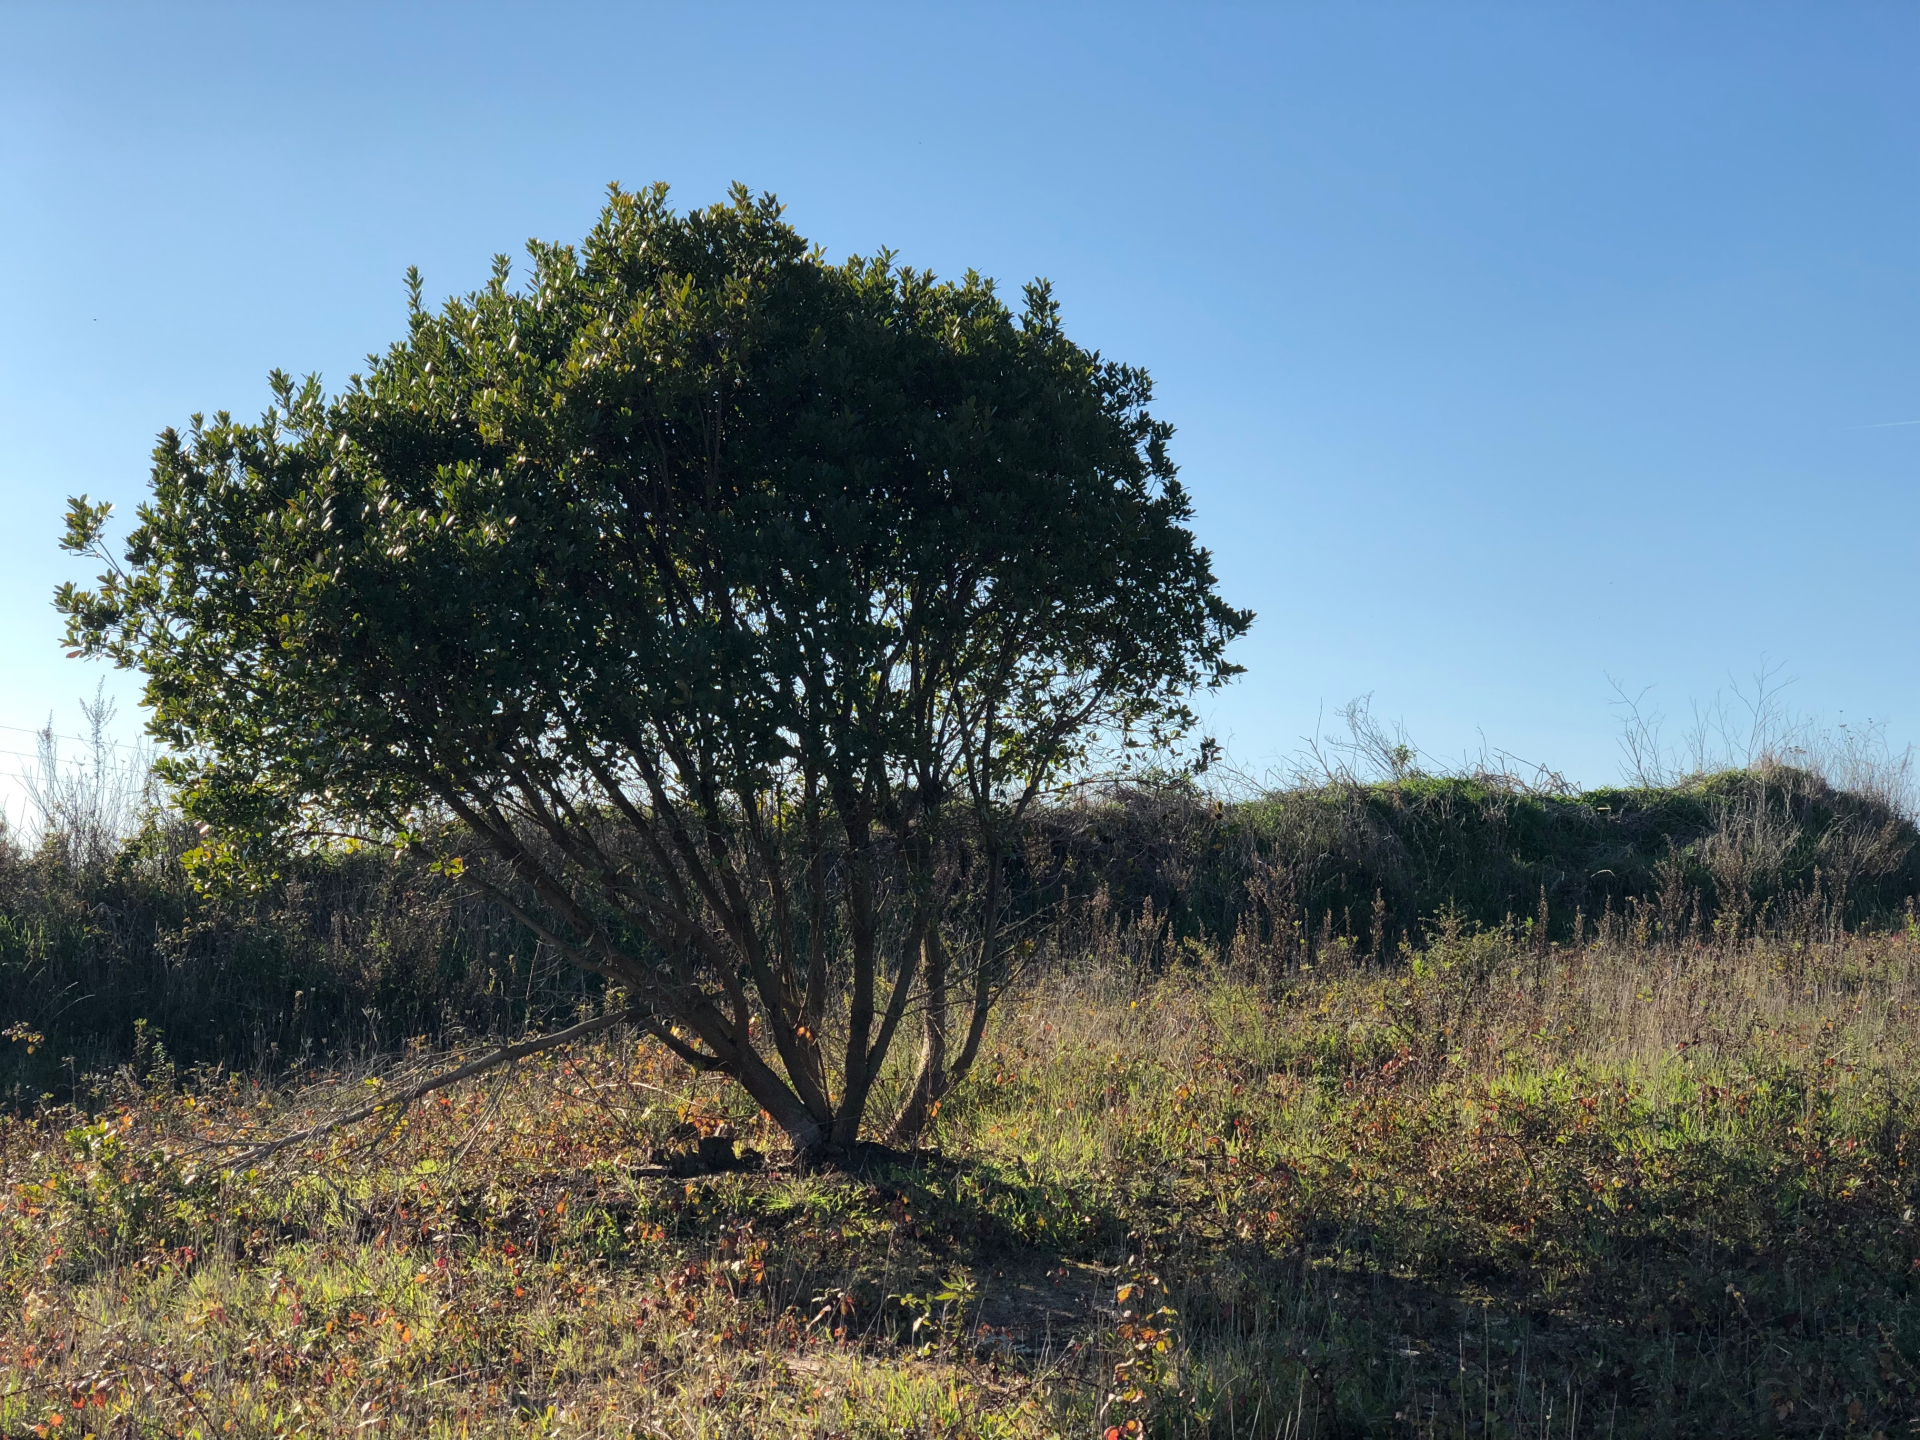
1037 1306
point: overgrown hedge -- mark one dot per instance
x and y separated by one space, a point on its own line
127 962
1771 850
123 961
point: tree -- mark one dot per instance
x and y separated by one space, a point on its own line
720 609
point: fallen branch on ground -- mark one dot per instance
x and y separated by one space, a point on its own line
506 1055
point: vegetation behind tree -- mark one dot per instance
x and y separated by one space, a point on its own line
110 952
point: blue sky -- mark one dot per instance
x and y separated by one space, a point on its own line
1510 346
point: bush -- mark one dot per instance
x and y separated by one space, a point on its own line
356 953
1766 850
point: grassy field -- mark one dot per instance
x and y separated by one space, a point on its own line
1490 1188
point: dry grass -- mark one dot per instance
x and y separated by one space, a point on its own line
1491 1189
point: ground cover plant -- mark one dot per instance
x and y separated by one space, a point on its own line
1493 1185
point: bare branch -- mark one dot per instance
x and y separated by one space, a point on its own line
504 1056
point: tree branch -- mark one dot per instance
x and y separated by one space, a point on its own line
504 1056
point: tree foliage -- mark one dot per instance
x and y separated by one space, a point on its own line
719 608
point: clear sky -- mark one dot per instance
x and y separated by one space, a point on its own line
1510 346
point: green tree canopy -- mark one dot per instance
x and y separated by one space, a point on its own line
717 607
